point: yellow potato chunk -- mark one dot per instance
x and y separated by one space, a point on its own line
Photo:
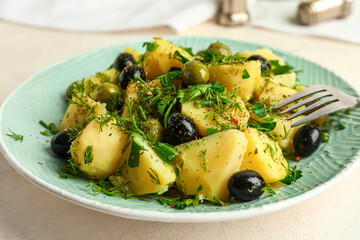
264 156
205 117
162 59
234 77
273 94
77 114
264 52
104 144
152 175
210 162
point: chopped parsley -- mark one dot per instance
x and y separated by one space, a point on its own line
292 176
341 126
269 190
134 157
165 152
150 46
211 131
259 110
246 74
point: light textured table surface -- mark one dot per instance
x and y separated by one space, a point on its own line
28 212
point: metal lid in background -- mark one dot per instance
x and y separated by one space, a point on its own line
312 12
233 12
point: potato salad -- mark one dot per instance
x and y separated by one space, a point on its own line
187 127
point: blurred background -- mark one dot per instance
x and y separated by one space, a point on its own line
35 34
337 19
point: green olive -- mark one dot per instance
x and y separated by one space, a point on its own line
106 92
219 48
68 94
153 129
194 72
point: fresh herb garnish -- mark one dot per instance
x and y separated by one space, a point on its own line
177 55
88 155
341 126
292 176
219 59
134 157
150 46
264 127
246 74
269 190
105 187
167 80
188 50
51 129
197 196
204 160
165 152
286 153
154 177
211 131
217 201
176 202
280 69
259 110
16 137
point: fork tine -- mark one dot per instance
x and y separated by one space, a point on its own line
303 93
313 106
306 101
333 107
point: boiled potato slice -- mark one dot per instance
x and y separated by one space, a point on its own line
152 175
273 94
161 60
204 116
286 80
264 52
77 114
222 153
130 96
106 143
264 156
232 77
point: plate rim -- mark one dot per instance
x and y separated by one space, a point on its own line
151 215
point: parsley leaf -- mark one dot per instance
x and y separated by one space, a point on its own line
259 110
16 137
188 50
210 131
246 74
150 46
217 87
167 80
341 126
292 176
177 55
263 126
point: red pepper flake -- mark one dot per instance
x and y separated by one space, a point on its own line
297 159
234 121
172 206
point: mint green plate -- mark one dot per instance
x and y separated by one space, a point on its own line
41 97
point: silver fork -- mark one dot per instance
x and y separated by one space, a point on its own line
326 100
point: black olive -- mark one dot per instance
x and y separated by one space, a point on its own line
307 140
181 129
60 143
246 185
123 60
265 64
129 73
